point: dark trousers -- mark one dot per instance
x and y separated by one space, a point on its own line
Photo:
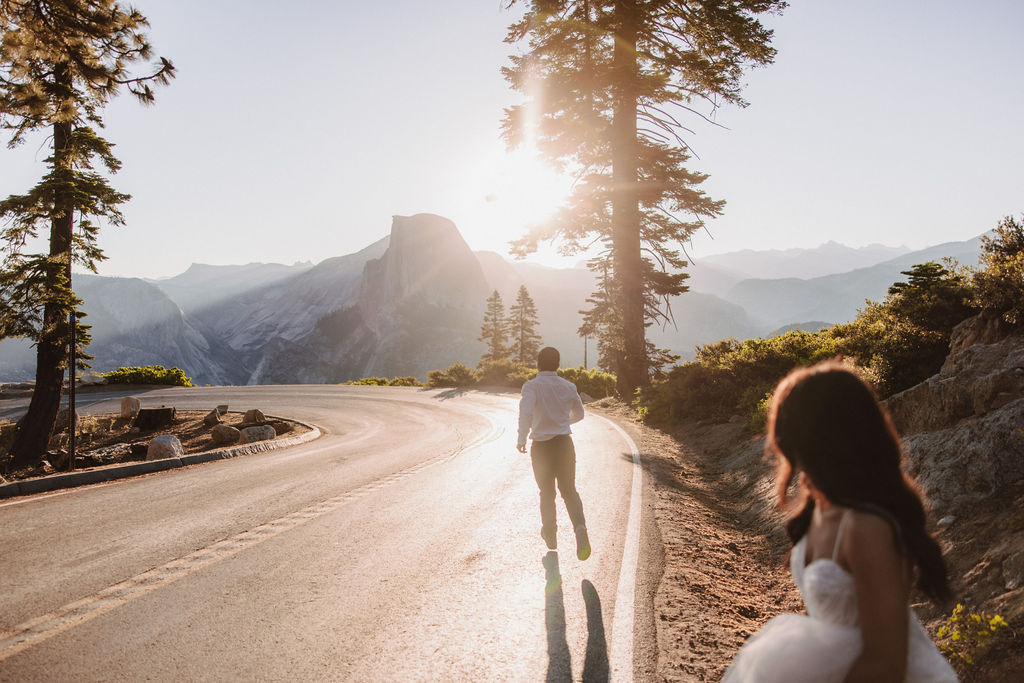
554 462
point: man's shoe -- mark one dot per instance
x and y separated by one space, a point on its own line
550 537
582 543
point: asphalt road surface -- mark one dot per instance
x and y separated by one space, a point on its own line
402 545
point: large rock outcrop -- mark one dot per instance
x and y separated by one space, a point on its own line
964 427
418 308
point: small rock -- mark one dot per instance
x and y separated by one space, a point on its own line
254 417
224 434
282 427
164 446
259 433
946 521
1013 571
130 406
212 418
154 418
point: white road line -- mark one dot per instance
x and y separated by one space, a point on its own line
36 630
620 658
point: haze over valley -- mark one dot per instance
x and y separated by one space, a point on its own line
413 301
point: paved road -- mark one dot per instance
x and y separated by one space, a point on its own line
402 545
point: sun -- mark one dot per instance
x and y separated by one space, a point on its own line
506 194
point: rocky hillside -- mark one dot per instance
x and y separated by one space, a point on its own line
964 435
963 432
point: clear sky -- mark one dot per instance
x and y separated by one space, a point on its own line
294 131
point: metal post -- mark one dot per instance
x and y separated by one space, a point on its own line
72 422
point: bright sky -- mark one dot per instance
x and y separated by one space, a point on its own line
294 131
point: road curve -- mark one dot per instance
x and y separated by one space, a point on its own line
402 545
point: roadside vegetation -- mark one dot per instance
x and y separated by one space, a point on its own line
897 342
151 374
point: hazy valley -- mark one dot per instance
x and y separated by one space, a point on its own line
413 301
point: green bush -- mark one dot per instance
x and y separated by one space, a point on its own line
456 375
593 382
999 285
407 381
151 374
731 377
503 373
369 381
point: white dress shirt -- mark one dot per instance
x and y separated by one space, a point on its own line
548 406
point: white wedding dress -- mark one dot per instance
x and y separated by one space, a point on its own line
822 645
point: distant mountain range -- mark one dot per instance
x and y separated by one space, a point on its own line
414 301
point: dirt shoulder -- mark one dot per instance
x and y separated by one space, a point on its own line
726 566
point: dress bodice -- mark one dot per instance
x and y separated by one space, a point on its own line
828 589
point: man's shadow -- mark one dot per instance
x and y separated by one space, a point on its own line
595 662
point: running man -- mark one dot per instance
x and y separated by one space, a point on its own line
549 404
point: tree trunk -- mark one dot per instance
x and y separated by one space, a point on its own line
35 429
627 263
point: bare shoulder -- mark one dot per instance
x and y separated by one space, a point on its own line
868 534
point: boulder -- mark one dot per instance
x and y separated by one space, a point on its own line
253 417
130 406
154 418
222 408
281 427
257 433
223 435
212 418
963 429
164 446
92 379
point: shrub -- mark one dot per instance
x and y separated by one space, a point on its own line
730 377
407 381
369 381
966 637
504 372
456 375
593 382
151 374
999 285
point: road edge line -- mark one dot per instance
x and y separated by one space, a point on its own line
620 657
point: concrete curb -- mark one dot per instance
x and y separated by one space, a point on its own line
53 482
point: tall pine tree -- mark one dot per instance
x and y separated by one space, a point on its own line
494 330
61 61
609 83
522 328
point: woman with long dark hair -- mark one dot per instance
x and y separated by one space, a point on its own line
859 542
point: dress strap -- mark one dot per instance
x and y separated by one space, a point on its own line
839 535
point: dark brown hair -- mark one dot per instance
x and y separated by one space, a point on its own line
826 421
548 359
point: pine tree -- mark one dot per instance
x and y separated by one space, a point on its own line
494 331
61 61
609 83
522 326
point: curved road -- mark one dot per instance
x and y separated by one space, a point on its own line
402 545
